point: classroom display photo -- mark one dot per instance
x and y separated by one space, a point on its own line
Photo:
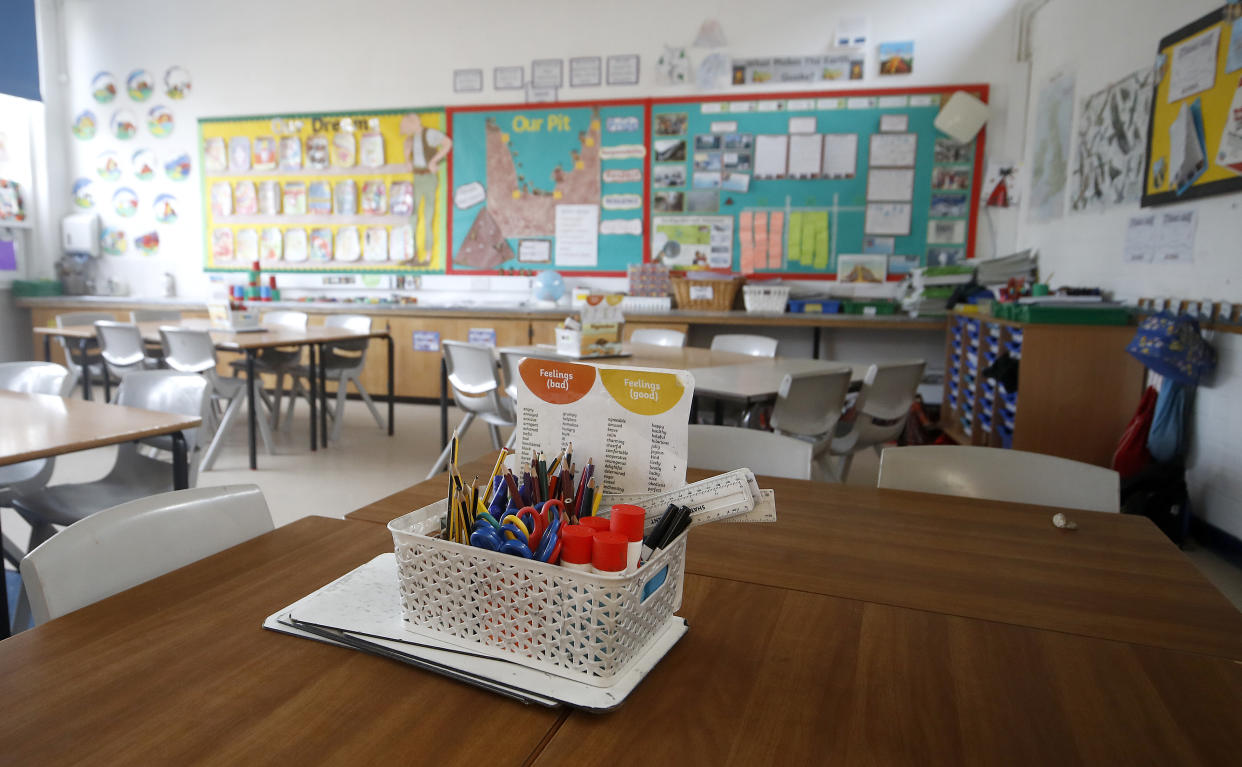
534 384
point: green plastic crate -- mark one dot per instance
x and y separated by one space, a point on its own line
861 307
1069 315
36 288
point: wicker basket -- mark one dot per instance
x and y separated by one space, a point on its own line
705 295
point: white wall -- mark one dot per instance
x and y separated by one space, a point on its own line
274 56
1102 41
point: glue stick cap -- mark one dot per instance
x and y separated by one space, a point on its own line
576 543
628 520
598 524
608 552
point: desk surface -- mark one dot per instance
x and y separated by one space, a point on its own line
1116 577
178 670
761 378
43 425
644 356
229 341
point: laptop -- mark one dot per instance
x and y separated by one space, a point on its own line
232 320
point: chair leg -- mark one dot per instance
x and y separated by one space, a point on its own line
213 448
338 417
846 461
280 389
511 443
296 390
22 617
495 432
443 460
12 552
366 397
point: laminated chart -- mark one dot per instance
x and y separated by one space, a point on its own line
631 422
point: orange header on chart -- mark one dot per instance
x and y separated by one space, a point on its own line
558 383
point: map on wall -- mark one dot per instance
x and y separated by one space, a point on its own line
1112 141
1050 162
552 187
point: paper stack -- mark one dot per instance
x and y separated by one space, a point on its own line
999 271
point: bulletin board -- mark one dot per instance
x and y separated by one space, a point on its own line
549 186
789 183
326 192
1194 142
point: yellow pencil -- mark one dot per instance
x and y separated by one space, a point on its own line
599 493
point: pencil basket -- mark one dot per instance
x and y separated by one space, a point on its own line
765 298
705 295
583 626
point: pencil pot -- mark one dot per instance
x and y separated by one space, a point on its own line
583 626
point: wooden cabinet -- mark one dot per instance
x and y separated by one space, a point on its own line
1073 393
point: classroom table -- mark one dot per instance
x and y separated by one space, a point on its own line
314 337
1116 577
43 425
178 670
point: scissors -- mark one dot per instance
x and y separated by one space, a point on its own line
549 549
529 525
487 537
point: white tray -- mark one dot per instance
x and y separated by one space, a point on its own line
362 610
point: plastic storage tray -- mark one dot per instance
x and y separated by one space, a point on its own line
814 306
578 625
765 298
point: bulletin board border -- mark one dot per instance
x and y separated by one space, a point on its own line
1196 191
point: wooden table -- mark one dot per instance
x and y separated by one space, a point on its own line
313 337
1117 577
36 426
178 670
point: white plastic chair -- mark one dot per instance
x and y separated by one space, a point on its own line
724 448
281 361
879 412
1000 475
133 475
477 391
192 351
808 407
740 343
658 337
28 476
509 366
126 545
121 347
73 357
343 362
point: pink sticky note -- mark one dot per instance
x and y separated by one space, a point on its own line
776 239
748 259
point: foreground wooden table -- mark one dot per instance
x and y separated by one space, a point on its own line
36 426
1116 577
315 337
178 670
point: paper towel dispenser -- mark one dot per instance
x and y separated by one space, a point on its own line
79 233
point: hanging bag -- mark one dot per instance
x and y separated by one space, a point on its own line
1131 454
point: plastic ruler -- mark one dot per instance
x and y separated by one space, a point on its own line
724 496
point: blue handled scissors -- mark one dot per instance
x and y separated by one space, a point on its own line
487 537
549 549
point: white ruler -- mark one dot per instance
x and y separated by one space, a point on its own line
710 500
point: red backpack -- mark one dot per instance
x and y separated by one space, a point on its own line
1132 455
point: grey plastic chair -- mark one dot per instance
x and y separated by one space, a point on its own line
123 546
280 361
477 391
192 351
133 475
73 353
808 407
155 351
343 362
658 337
724 448
28 476
740 343
509 367
121 348
881 410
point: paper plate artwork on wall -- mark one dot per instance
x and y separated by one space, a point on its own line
125 201
140 85
143 164
84 193
148 243
160 121
177 83
178 168
84 125
165 209
103 87
124 124
112 240
108 166
271 244
215 155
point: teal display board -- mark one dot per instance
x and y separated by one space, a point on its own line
548 186
791 183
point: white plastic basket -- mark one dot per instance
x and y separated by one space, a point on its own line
647 304
582 626
765 298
